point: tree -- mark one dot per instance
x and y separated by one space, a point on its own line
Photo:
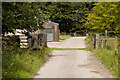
21 15
104 16
70 16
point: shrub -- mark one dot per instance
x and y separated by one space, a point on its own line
9 43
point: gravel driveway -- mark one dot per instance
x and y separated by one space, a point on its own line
72 63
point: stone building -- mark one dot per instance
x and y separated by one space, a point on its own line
51 29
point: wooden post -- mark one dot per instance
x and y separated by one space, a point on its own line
43 39
119 54
115 45
56 32
96 40
29 42
106 38
90 36
102 43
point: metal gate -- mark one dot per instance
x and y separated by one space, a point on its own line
49 33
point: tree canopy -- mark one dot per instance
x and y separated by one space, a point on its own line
21 15
26 14
104 16
71 16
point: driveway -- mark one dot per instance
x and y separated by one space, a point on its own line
75 42
72 63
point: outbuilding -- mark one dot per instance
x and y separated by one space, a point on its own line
51 29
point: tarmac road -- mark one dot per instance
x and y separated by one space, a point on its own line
72 63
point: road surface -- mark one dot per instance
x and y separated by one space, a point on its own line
72 63
75 42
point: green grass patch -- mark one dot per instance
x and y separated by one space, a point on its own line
109 59
108 56
69 48
22 63
64 37
90 44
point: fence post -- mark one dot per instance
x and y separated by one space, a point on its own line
102 43
91 36
106 38
29 42
43 39
96 40
119 53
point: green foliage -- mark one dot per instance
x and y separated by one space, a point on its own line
104 16
20 63
9 44
64 37
69 15
69 48
108 56
90 44
21 15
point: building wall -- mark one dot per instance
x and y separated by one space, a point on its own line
51 26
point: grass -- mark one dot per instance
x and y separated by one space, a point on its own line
69 48
90 45
22 63
108 56
0 66
109 59
64 37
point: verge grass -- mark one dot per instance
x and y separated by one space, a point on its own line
69 48
21 64
64 37
108 56
109 59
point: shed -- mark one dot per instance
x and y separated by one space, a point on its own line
52 30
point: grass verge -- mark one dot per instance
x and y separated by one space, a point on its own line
107 56
109 59
69 48
64 37
22 63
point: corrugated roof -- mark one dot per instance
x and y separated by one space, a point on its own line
53 23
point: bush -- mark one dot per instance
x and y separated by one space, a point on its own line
10 43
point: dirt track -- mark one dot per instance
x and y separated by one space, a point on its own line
72 63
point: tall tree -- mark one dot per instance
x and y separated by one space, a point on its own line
104 16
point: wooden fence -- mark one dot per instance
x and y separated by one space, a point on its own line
104 41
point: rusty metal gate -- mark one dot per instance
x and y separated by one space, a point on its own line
49 33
